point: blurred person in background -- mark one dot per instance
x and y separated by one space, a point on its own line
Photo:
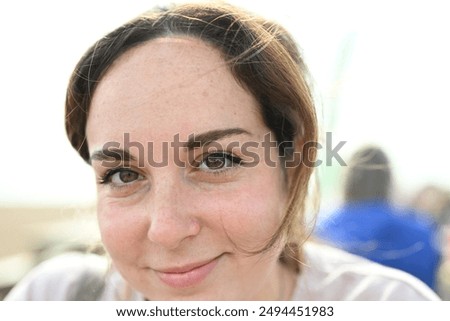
368 224
436 201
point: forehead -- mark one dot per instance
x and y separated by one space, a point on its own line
169 86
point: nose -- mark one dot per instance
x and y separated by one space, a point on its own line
171 219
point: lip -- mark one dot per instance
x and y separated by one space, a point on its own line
187 275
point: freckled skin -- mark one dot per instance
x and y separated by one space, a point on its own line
175 216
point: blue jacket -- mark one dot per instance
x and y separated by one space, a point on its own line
399 238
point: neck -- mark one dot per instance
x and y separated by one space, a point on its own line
287 280
279 285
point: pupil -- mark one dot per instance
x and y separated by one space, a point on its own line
215 162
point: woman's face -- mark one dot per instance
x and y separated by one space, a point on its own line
185 184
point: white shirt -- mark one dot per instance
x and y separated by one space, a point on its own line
327 274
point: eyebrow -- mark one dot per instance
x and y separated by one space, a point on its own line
112 153
194 141
208 137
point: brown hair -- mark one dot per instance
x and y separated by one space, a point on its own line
263 58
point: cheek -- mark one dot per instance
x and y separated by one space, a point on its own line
122 229
250 214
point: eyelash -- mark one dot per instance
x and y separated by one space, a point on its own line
106 178
235 161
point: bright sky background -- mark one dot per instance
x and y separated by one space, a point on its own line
381 71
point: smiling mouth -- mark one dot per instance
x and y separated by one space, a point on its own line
188 275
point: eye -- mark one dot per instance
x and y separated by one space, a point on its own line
218 161
120 177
